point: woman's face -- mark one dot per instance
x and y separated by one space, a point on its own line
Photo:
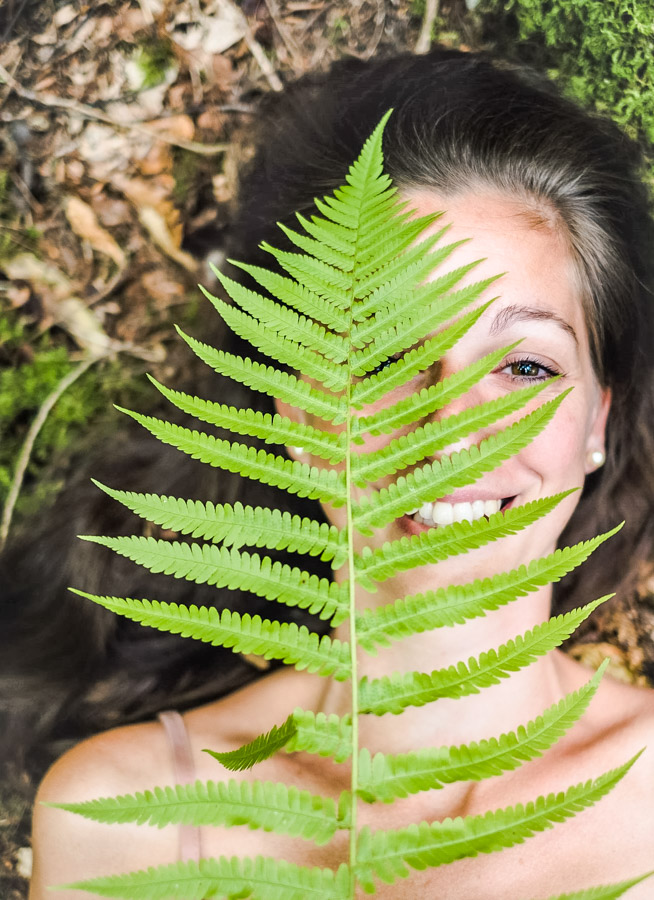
537 302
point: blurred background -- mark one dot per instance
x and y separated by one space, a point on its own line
122 127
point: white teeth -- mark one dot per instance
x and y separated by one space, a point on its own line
462 512
491 507
441 513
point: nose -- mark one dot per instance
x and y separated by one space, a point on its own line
457 418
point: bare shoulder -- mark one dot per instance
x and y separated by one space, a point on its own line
125 760
68 847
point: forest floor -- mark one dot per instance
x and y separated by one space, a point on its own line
122 127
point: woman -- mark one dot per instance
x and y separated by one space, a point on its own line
551 198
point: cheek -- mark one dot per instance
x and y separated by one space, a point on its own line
559 452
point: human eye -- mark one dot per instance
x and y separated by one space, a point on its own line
528 368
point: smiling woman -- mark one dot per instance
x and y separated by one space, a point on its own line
533 188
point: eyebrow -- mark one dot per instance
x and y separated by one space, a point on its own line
511 314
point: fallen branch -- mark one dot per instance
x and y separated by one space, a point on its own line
88 112
257 51
30 438
424 38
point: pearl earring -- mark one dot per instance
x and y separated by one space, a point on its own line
597 458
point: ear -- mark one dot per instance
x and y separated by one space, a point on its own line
597 434
295 415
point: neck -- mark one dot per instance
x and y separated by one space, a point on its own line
502 707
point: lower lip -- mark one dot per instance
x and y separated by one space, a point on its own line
409 526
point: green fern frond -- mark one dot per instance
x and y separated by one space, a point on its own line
359 289
292 644
394 693
399 279
273 429
237 525
382 243
328 233
398 276
233 569
386 777
427 439
303 731
274 345
271 381
604 892
441 477
386 854
457 603
269 468
324 735
338 259
406 367
262 878
428 400
403 335
318 276
271 806
297 296
433 296
285 321
448 540
262 747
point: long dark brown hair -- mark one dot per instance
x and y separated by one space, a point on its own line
460 121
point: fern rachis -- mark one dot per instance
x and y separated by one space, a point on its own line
351 314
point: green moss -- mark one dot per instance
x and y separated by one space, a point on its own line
30 368
153 59
601 53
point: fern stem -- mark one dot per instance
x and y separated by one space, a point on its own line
354 778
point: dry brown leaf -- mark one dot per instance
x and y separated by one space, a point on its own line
151 193
163 290
40 274
177 126
64 15
111 211
61 306
220 27
84 327
157 161
85 224
156 226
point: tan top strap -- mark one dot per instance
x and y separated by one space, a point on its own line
190 848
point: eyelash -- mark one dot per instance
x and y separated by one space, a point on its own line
550 372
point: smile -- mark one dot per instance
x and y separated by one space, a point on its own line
443 513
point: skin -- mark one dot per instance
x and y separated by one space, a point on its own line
605 843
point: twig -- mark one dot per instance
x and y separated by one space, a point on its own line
380 22
28 444
16 16
289 42
424 38
257 51
109 287
81 109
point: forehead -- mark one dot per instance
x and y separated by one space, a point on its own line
513 238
